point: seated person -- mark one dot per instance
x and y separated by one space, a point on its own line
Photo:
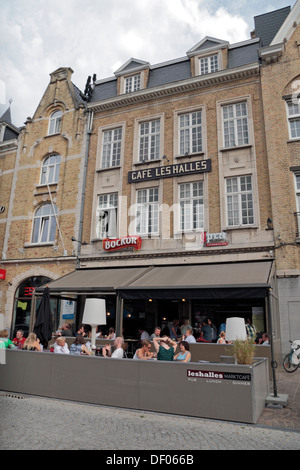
185 324
80 331
60 346
6 343
184 355
166 349
118 352
221 339
188 337
111 333
66 330
32 343
143 334
78 347
264 340
144 352
19 340
156 334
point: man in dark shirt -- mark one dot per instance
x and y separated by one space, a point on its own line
207 330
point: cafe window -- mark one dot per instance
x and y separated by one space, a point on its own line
190 133
240 204
107 216
149 140
50 170
297 189
235 124
191 199
111 148
147 211
132 83
44 224
209 64
293 113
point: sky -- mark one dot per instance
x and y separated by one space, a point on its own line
98 36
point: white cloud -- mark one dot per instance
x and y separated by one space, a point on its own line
97 36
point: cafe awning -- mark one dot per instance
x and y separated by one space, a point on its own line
94 281
210 281
232 280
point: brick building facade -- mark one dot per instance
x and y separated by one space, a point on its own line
179 167
41 186
280 80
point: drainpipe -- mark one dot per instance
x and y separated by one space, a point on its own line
273 362
89 126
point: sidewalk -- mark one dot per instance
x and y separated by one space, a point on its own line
288 417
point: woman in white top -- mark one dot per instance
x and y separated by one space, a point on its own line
144 352
221 339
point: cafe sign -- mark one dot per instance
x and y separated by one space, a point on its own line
169 171
216 239
133 241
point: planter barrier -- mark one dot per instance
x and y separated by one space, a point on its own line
206 390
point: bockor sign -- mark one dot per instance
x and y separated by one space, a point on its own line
124 242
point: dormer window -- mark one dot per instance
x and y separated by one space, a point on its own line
132 76
208 56
132 83
55 123
209 64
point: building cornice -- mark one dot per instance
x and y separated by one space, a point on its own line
271 54
191 84
175 254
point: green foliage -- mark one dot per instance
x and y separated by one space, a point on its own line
243 351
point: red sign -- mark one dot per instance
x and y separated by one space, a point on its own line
28 291
120 243
2 274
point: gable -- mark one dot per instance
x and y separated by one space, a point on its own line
207 44
132 65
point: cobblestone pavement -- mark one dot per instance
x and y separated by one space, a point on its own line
46 424
35 423
284 417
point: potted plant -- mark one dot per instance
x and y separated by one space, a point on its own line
243 351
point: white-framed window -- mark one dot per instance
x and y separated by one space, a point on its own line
209 64
147 216
235 124
132 83
149 140
111 148
55 123
239 200
107 213
190 133
191 200
293 113
297 190
44 224
50 170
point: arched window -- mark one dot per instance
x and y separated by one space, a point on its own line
50 169
44 224
22 304
55 123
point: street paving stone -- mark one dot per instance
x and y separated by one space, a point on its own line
34 423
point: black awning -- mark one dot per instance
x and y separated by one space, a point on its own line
232 280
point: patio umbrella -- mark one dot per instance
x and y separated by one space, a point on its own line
43 326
